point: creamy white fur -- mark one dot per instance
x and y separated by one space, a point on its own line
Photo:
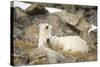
67 43
44 34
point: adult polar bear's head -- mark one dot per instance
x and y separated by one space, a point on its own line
45 29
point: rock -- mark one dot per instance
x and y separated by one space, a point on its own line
36 9
93 20
83 26
75 21
23 47
70 18
21 17
37 56
18 33
22 51
32 34
19 12
21 22
92 41
20 59
47 56
91 16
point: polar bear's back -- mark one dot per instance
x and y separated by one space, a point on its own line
73 44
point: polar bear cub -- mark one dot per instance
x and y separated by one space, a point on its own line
44 34
66 43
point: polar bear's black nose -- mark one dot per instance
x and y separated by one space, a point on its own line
46 27
48 40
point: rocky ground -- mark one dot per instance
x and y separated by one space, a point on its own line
72 20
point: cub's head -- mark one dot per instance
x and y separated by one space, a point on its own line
45 27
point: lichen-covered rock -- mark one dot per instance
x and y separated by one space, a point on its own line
70 18
47 56
91 16
32 34
22 51
21 17
20 59
38 56
92 41
21 22
75 21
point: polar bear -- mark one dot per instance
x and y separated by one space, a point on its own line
69 44
66 44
